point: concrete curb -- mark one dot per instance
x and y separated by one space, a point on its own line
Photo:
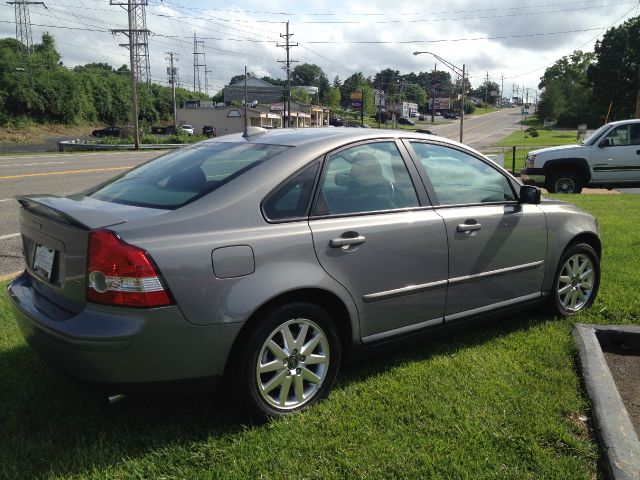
72 145
615 431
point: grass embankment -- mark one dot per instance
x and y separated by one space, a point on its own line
497 400
35 133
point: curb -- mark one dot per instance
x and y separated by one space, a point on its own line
72 145
613 426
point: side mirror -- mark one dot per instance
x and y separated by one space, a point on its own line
604 143
529 194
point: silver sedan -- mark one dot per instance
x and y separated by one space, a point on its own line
269 257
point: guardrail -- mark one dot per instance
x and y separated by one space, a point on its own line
75 145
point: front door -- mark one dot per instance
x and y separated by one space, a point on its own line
497 247
620 160
371 235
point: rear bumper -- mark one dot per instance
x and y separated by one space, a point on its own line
533 176
122 349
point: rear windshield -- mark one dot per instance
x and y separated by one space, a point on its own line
185 175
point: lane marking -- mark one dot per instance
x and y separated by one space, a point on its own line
30 164
65 172
11 235
6 199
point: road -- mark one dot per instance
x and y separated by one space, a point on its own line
59 174
481 131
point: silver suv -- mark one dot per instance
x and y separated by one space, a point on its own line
268 258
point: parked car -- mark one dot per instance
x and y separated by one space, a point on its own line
270 257
208 131
607 158
424 130
406 121
188 129
450 115
106 132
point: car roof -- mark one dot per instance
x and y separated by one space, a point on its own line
306 136
620 122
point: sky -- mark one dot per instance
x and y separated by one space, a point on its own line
510 41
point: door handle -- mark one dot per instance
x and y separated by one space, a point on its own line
345 242
469 227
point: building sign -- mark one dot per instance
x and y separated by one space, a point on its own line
277 107
356 99
380 97
443 103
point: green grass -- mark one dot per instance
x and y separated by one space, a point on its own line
499 400
544 138
483 111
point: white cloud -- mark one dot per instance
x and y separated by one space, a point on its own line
513 48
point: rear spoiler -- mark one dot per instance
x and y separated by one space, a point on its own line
80 213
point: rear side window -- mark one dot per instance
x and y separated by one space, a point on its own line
291 200
181 177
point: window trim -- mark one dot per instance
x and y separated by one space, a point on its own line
405 160
424 176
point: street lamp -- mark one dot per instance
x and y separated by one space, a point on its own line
457 71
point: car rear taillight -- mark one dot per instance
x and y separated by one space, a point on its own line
122 274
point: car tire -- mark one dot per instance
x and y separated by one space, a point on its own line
289 361
564 181
576 282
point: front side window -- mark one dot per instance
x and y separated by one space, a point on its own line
366 178
619 136
459 178
181 177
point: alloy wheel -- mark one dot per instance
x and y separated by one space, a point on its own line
576 282
292 364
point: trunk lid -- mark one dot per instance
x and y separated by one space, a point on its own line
55 237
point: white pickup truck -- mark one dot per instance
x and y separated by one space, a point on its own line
608 157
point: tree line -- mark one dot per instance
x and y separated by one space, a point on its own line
38 87
594 87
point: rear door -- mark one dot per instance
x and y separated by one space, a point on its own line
371 234
497 247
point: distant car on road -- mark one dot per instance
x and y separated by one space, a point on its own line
450 115
425 131
106 132
406 121
209 131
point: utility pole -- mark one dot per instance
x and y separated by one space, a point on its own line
501 89
486 91
196 62
23 22
172 71
433 92
206 80
288 45
132 32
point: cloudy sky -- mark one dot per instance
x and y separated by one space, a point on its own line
514 39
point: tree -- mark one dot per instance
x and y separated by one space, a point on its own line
616 74
332 98
309 74
566 92
300 95
483 92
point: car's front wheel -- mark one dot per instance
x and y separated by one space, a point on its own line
564 182
290 360
576 281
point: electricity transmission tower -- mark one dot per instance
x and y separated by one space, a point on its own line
23 22
207 72
287 46
172 71
137 29
197 87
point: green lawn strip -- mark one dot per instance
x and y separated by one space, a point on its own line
495 400
544 138
482 111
